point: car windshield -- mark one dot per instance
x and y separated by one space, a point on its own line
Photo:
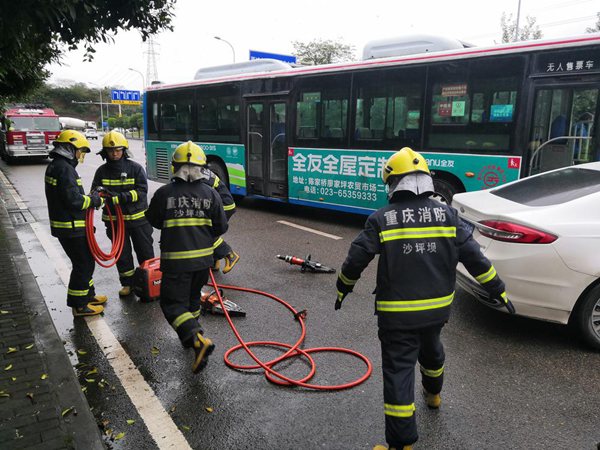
552 188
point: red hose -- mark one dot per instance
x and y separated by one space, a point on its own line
117 241
272 375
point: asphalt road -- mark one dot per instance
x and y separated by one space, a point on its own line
511 383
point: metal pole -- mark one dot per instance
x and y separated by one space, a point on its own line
101 112
517 27
221 39
143 79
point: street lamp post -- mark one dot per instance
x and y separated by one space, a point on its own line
101 112
143 79
221 39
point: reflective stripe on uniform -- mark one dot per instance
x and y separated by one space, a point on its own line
347 281
115 200
79 223
76 293
86 202
129 273
50 180
415 305
61 224
186 222
399 410
182 318
504 297
229 207
79 182
217 243
412 233
91 282
196 314
188 254
125 216
134 195
118 182
432 373
488 276
216 183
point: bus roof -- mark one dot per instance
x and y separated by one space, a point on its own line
462 53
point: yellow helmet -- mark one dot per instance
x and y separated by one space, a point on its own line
75 138
188 153
114 139
404 161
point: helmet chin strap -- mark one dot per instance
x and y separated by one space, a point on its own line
417 183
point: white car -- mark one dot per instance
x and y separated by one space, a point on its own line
542 235
90 133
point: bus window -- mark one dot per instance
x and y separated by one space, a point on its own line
322 110
474 107
219 114
176 116
388 108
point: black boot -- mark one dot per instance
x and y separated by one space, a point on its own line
203 347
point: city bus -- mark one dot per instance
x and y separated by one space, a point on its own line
319 135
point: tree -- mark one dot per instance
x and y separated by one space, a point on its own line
596 28
319 51
528 32
34 34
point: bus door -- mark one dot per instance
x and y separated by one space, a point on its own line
565 125
267 152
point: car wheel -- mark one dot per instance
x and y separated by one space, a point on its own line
587 317
218 169
444 191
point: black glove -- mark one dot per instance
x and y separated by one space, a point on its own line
503 299
96 200
340 298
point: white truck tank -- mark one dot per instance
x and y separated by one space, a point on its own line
72 123
410 45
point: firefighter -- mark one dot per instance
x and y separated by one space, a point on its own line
126 183
67 205
420 243
222 249
190 216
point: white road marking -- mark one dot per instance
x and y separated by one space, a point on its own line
160 425
310 230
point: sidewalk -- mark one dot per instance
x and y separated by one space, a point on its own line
37 381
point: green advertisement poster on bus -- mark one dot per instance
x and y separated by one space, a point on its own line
350 180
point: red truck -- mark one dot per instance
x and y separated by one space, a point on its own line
28 132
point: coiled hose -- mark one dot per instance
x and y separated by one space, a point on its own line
118 236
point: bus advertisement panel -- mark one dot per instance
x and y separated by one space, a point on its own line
350 180
233 155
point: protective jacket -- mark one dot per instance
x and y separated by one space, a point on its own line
215 182
66 198
127 180
190 216
420 243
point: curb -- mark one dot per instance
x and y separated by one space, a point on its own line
62 378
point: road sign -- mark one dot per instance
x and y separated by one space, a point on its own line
125 97
254 54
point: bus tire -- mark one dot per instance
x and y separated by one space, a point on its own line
444 190
218 169
587 308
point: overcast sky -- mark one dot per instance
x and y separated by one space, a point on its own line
271 26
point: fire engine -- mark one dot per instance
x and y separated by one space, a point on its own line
28 132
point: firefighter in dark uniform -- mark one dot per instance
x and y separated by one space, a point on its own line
126 183
420 243
67 205
190 216
222 249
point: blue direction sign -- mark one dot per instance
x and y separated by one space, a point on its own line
264 55
125 97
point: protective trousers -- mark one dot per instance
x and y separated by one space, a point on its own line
180 302
141 237
81 284
221 249
400 350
